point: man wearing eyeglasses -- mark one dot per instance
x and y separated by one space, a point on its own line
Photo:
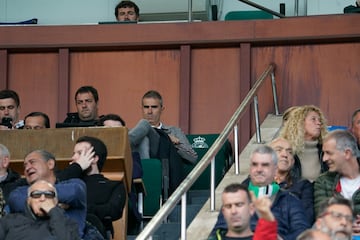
42 219
343 177
336 218
127 11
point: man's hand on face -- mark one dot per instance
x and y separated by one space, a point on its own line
86 158
44 207
47 205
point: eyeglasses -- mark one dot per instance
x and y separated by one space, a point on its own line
47 194
338 216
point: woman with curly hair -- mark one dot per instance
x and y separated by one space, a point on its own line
305 130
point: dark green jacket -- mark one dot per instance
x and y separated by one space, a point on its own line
327 185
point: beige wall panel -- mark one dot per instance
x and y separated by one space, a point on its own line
122 78
34 76
215 88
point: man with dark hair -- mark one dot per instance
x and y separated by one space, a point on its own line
10 110
355 125
127 11
86 101
238 206
342 180
36 120
111 120
105 198
335 218
42 219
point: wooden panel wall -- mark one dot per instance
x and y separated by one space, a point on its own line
203 70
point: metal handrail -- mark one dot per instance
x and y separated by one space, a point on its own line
263 8
175 197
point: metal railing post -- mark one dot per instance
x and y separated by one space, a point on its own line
183 216
236 151
189 10
212 185
257 122
273 84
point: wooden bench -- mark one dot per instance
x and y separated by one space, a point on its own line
60 142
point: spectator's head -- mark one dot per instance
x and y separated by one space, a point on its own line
305 123
86 100
313 234
127 11
9 105
111 120
237 209
340 150
152 107
263 165
4 159
36 120
84 143
284 152
39 193
39 164
355 125
336 218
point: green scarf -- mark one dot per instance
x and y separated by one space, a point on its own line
269 190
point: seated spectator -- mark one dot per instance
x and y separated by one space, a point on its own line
10 110
111 120
7 176
343 178
287 180
355 125
40 164
86 101
127 11
41 219
105 198
336 218
287 209
161 141
305 130
36 120
238 205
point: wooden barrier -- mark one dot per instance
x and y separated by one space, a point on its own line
60 142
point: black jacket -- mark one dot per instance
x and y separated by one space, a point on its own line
27 226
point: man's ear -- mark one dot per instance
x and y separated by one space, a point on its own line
96 159
5 162
51 164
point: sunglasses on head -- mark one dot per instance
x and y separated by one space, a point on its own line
47 194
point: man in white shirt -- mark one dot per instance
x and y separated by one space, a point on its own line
343 177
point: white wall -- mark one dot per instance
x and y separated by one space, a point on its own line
83 11
93 11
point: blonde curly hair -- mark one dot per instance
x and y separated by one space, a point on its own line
294 130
